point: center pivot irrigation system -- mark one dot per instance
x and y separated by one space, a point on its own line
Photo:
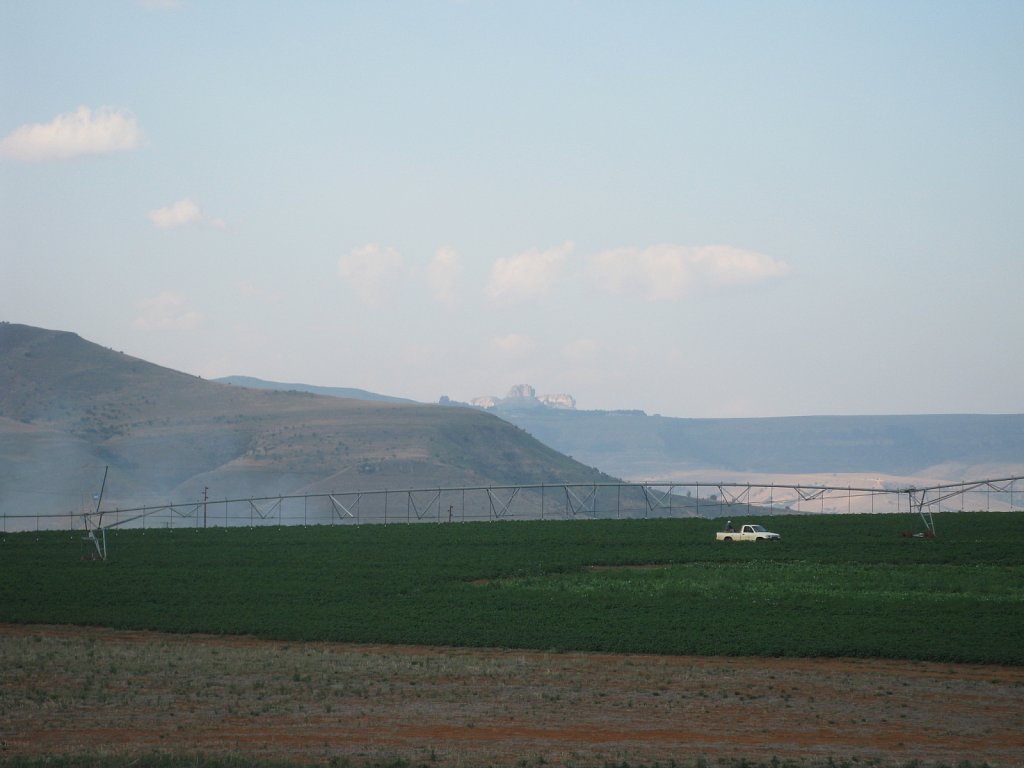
553 501
96 534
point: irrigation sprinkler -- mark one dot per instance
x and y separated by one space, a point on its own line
545 501
585 505
500 508
340 510
92 526
916 501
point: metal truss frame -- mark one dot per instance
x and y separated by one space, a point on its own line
499 508
581 500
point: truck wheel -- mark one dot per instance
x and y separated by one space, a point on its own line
727 538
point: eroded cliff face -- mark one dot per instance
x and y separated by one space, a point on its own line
525 395
565 401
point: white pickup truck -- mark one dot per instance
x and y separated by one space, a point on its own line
748 533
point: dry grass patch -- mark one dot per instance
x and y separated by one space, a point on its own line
123 694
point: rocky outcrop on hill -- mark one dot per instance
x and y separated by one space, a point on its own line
524 396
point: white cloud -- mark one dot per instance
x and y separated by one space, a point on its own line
528 274
83 132
370 269
181 213
176 215
663 272
442 272
166 311
161 5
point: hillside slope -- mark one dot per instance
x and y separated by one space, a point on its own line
69 407
809 449
358 394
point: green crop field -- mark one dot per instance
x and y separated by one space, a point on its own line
842 585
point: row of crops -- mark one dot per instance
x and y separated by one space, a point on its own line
837 585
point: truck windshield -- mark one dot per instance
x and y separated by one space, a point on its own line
757 528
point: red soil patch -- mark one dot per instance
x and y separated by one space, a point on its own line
69 690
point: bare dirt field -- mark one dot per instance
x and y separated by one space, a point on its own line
67 690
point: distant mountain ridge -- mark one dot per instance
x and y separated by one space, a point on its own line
634 445
69 407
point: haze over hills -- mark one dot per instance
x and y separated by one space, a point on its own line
810 449
69 407
871 450
865 451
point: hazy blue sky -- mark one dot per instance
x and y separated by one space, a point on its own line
694 208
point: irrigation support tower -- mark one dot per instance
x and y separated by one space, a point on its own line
581 501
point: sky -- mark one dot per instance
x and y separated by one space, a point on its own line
698 209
